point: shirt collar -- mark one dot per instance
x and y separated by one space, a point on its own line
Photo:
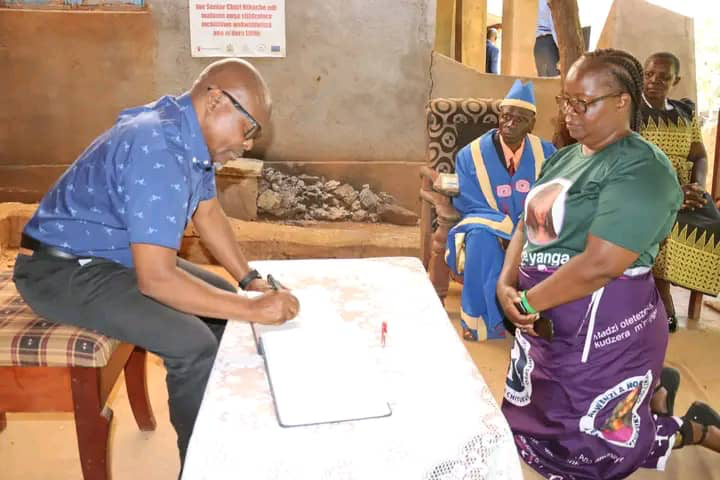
193 133
667 104
511 156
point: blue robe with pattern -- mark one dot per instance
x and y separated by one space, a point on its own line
491 203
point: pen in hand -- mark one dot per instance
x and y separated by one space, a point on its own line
274 284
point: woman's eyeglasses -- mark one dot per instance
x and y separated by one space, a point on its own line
254 131
579 105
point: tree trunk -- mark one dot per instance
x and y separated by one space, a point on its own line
566 19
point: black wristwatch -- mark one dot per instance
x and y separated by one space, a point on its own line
247 280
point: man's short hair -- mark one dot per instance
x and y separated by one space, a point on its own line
672 59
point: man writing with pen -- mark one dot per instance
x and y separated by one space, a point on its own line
101 250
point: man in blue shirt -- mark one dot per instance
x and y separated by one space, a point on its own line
492 52
100 252
546 51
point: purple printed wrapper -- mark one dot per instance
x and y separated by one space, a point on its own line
579 405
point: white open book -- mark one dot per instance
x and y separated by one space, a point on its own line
320 368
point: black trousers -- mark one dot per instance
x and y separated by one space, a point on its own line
102 295
546 56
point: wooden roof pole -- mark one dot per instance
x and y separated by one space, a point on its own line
566 18
458 30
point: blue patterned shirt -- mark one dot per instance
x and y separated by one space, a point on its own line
139 182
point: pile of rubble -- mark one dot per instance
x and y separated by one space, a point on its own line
309 197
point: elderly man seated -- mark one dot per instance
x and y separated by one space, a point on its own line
495 173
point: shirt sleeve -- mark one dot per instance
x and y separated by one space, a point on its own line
208 190
638 203
156 201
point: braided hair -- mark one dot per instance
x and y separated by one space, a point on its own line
627 72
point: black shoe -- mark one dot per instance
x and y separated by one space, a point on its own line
670 381
702 414
672 323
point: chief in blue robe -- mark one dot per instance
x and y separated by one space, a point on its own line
491 202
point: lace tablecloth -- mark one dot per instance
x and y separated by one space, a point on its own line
444 425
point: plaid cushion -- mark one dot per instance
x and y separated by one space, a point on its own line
27 339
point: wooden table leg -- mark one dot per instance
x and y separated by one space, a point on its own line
695 305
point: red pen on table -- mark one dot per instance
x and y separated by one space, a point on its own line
383 333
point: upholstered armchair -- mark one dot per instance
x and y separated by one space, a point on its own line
452 123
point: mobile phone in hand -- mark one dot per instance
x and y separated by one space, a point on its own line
543 326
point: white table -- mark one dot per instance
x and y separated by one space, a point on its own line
445 423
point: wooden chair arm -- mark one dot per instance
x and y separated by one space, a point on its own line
443 208
429 173
445 183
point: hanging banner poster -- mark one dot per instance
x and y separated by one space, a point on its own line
237 28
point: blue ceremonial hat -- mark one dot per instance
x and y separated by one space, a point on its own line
521 95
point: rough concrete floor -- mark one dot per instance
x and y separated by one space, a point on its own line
44 446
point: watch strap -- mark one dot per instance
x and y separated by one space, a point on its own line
247 279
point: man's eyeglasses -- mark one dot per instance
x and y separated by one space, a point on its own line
254 131
519 119
578 105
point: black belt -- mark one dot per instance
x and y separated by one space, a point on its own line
43 249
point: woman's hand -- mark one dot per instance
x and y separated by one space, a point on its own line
506 292
509 297
694 196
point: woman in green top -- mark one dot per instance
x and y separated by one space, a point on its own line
690 256
584 400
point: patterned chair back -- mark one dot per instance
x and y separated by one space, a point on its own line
452 123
